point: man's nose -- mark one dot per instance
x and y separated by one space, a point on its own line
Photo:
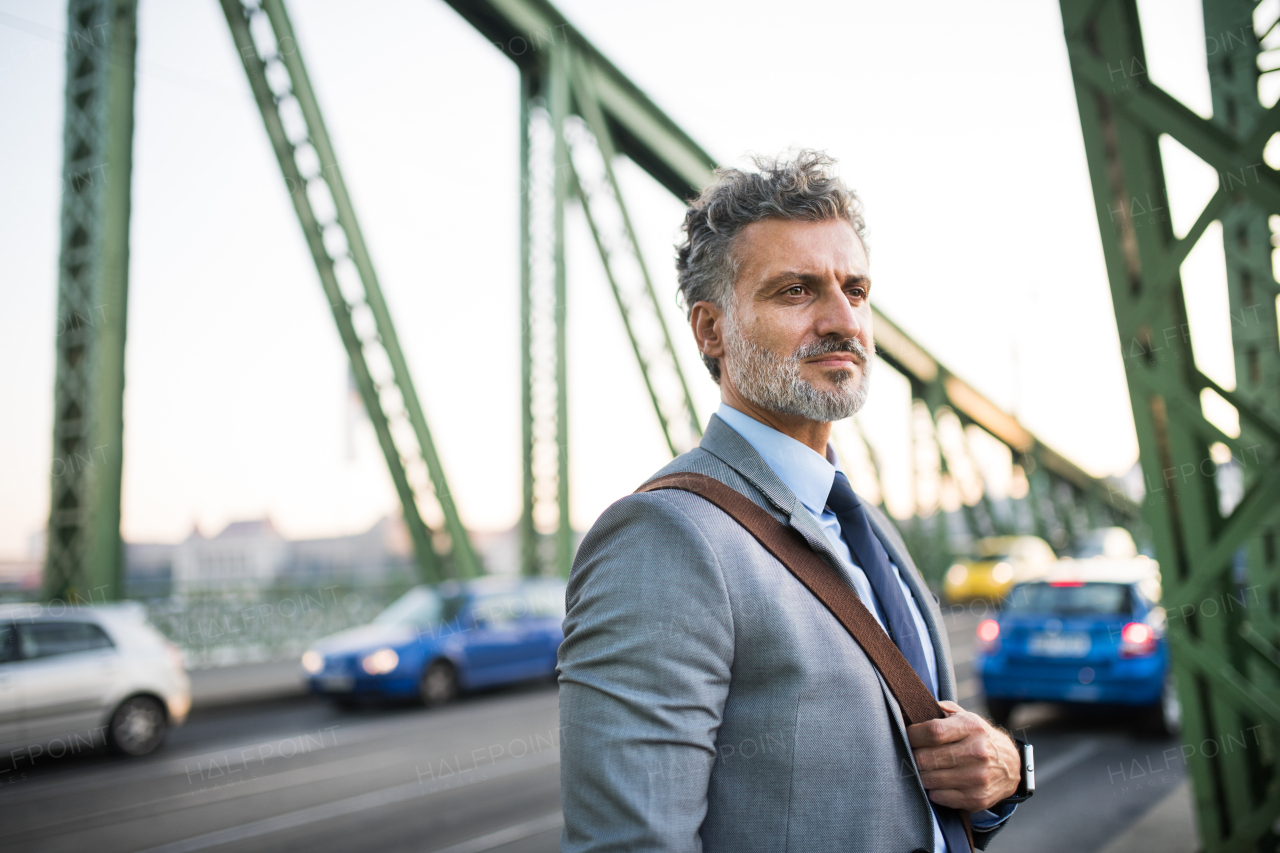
836 316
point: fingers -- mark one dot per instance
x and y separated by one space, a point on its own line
970 775
970 796
971 750
964 777
973 773
962 800
933 733
959 725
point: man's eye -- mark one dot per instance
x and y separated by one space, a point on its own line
795 290
857 293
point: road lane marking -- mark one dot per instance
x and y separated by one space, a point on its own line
250 786
350 805
1066 761
511 834
441 722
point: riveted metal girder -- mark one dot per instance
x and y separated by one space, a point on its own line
524 30
575 109
1047 470
85 559
591 166
273 62
546 532
1215 553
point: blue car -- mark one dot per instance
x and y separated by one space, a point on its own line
434 642
1089 633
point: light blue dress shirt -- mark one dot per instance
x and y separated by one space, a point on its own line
809 476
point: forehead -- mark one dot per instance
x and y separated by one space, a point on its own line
771 246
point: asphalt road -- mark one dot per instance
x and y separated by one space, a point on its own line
480 775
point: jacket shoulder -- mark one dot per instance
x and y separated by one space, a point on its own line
700 461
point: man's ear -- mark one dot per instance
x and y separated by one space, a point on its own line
706 320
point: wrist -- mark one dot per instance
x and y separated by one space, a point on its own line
1026 772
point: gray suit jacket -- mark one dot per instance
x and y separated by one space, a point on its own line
708 701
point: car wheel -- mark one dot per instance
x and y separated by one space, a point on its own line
138 726
439 684
1166 717
1000 710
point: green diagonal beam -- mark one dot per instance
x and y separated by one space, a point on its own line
463 554
429 564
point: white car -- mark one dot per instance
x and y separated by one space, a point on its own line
74 678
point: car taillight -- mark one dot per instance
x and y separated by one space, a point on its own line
989 635
175 655
1137 640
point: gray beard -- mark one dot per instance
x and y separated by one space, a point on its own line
775 384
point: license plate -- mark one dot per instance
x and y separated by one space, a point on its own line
337 683
1069 645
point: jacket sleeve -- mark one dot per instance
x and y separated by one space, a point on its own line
644 672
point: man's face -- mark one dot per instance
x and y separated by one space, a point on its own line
798 339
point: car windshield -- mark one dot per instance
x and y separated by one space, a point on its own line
990 550
419 606
1099 598
531 601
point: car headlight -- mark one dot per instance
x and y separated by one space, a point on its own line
957 575
1002 573
381 661
312 661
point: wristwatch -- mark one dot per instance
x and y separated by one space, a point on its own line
1027 784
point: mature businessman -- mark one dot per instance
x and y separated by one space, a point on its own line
708 700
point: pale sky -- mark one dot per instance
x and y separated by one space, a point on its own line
956 123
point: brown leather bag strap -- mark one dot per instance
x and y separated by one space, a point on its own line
789 547
786 543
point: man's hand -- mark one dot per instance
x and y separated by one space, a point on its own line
964 762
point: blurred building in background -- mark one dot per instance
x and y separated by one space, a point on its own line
20 576
249 555
252 555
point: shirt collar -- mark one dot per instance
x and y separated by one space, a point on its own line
801 469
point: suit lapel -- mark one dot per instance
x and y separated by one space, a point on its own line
724 442
804 522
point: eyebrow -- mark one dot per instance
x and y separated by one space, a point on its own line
809 278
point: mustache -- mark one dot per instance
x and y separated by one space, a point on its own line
824 346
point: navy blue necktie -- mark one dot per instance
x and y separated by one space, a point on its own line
874 561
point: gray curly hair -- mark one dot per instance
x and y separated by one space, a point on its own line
801 187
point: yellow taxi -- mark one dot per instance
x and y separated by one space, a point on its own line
995 565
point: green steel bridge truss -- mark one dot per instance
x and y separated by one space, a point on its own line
579 113
1221 585
85 559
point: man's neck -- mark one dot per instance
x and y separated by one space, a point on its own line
812 434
